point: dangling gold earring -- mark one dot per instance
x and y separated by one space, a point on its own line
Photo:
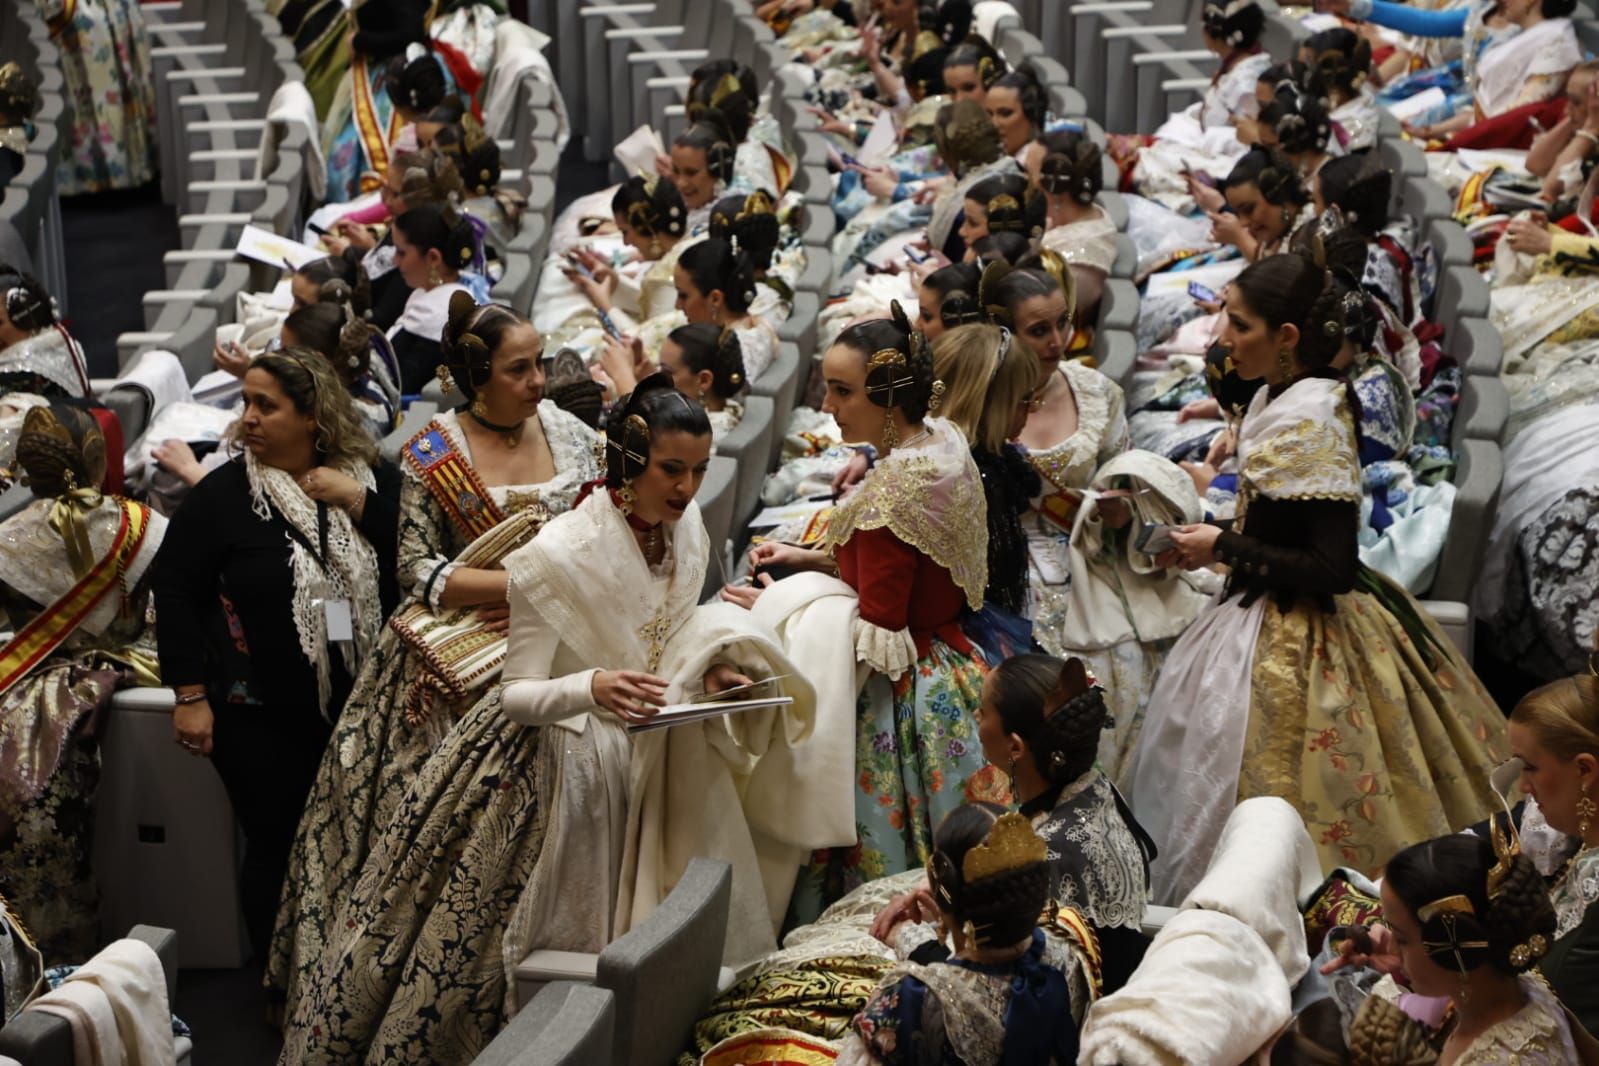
655 247
702 397
626 497
479 409
1285 363
1586 809
433 276
890 431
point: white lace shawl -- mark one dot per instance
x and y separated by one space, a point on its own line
52 354
1550 47
1300 445
351 573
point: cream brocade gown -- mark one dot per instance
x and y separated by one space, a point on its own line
377 749
1377 742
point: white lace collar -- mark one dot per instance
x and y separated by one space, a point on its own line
52 354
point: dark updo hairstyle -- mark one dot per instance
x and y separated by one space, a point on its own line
1271 173
417 84
956 289
998 910
1030 91
907 385
950 21
27 302
711 135
1360 187
429 227
636 421
966 137
713 266
1005 295
1341 59
727 90
19 96
1072 166
1237 24
449 112
1050 704
476 157
925 69
1557 9
472 334
1004 247
749 222
652 206
1300 121
707 347
1458 865
1011 204
332 268
61 448
977 53
1292 289
336 326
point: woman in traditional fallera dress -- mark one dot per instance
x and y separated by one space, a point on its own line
478 482
911 544
1311 678
541 822
73 586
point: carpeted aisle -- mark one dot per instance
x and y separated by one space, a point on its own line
114 245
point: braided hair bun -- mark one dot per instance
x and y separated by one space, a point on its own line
1072 166
713 135
751 223
652 408
956 289
906 383
472 334
652 206
27 303
999 909
1055 708
726 89
1030 93
715 265
709 348
1299 120
59 449
1506 903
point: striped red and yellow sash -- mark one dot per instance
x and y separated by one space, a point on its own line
375 138
36 640
453 482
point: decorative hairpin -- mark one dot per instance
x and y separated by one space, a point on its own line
1011 844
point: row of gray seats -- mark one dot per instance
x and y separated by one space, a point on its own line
28 202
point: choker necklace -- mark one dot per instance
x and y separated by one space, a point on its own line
653 542
511 435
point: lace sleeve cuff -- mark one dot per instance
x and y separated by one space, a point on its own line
433 587
888 651
911 937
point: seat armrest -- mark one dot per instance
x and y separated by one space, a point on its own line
544 966
1156 917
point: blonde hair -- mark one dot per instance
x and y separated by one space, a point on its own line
982 391
1563 715
314 388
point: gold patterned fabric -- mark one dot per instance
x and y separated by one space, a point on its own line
931 497
1348 723
1300 445
816 998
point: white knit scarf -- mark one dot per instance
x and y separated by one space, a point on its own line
351 574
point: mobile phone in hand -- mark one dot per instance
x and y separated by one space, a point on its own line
1202 293
1154 539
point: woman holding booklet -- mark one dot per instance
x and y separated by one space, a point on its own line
544 820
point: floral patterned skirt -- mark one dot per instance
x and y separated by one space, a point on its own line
105 60
414 969
373 757
1377 748
917 757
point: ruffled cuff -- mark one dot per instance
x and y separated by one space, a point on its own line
433 590
888 651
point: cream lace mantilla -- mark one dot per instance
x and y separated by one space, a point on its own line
349 571
1301 445
930 496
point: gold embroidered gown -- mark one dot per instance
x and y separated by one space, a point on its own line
1311 678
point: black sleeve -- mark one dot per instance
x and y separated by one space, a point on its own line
1572 967
1305 547
187 578
380 525
419 360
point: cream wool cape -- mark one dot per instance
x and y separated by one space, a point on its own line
640 808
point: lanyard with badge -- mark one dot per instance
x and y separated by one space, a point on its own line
336 611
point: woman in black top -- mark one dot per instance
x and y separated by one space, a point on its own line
272 583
